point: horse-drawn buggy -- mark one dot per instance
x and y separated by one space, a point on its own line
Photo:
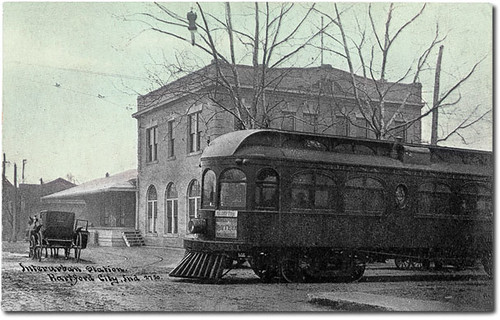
56 230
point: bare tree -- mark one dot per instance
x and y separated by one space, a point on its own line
375 107
275 36
271 38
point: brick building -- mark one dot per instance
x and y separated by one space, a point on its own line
178 120
28 203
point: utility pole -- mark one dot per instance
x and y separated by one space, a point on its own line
24 164
4 163
14 208
321 40
435 101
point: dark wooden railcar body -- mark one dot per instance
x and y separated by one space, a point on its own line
362 195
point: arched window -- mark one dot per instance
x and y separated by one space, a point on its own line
152 209
313 190
233 189
475 199
434 198
364 195
171 209
266 190
193 199
208 190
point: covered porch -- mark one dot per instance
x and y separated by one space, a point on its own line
110 205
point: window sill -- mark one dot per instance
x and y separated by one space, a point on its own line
171 158
171 235
195 153
148 163
150 234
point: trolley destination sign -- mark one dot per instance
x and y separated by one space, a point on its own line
226 224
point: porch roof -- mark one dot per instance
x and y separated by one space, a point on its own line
124 182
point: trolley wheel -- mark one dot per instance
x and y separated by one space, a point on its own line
487 262
293 270
357 272
263 266
403 263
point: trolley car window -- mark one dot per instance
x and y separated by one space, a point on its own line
208 190
266 193
364 195
313 190
434 198
233 188
476 200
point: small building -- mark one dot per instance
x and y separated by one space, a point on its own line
109 206
7 208
28 204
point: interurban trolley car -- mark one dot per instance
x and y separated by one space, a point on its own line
307 207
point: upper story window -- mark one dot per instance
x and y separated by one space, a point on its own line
434 198
364 195
400 132
310 122
361 127
170 139
152 144
312 190
266 190
208 190
194 133
341 126
233 189
475 199
288 121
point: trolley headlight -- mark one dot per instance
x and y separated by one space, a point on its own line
197 225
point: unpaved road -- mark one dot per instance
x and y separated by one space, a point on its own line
136 279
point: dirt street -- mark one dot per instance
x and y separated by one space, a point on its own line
136 279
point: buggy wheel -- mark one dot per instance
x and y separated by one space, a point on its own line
39 247
32 247
78 246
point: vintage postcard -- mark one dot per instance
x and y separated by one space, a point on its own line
247 157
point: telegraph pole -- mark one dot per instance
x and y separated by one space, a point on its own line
435 102
24 164
321 40
14 207
4 162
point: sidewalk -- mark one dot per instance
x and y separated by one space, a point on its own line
367 302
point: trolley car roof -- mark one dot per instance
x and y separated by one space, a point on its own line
282 145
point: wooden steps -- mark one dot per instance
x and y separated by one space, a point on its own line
133 238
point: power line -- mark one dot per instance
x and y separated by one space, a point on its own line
106 74
59 86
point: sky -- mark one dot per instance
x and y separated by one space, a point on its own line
72 72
